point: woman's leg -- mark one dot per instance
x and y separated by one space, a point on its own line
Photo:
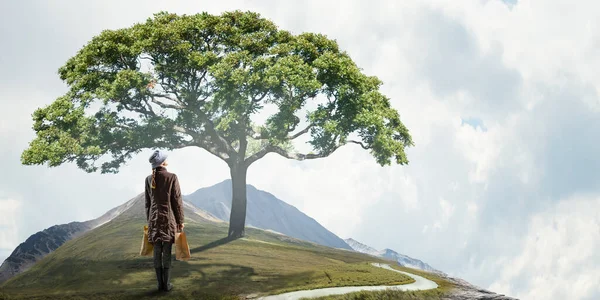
158 264
166 258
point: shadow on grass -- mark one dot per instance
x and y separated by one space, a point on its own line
134 278
213 244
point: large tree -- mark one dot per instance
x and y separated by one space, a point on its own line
197 80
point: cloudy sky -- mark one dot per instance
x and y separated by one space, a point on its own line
501 97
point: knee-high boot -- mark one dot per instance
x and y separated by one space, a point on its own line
166 258
167 286
159 278
158 264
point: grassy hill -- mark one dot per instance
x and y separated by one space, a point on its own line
103 263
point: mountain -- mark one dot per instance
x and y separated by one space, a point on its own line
103 263
362 248
43 242
267 212
403 260
40 244
408 261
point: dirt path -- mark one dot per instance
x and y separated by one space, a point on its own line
420 283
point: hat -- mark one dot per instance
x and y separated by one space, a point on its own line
157 158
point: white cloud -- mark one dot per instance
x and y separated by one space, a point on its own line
9 230
559 256
447 211
472 208
480 147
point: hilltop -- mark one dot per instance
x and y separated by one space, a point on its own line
103 262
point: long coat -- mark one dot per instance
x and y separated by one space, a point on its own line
164 207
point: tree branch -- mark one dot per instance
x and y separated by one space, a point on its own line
165 105
197 85
168 97
203 142
263 136
220 141
219 145
170 87
212 149
300 156
144 111
261 97
303 131
181 130
150 110
256 135
296 156
359 143
184 144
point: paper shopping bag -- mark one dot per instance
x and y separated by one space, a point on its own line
182 249
147 248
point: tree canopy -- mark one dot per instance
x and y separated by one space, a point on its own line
196 80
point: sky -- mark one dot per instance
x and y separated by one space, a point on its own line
501 98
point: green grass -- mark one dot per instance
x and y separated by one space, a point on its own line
104 264
388 295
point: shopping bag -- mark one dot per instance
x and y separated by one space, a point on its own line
147 247
182 249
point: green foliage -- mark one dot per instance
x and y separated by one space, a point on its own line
196 80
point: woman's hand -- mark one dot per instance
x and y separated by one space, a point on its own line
180 227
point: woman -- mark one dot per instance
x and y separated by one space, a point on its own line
164 213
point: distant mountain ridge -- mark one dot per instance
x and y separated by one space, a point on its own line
43 242
362 248
265 211
403 260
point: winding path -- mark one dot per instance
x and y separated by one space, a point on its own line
420 283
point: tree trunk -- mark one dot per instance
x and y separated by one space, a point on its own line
237 219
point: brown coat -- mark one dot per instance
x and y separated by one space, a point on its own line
164 207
